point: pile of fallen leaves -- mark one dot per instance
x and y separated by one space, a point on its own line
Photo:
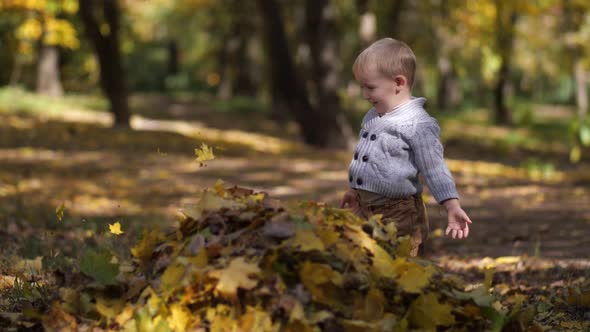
241 261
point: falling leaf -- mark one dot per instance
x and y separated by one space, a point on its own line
427 313
59 212
236 275
116 228
205 153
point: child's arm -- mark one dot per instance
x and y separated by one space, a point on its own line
457 220
430 161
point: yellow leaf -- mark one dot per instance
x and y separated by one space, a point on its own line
305 240
410 276
172 277
219 189
109 308
382 264
180 316
323 284
125 315
116 228
255 320
145 247
200 260
328 236
427 313
508 260
205 153
404 246
59 212
236 275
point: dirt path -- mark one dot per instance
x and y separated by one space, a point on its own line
151 174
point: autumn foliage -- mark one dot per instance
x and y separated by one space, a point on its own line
241 261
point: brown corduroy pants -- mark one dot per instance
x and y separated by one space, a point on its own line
408 214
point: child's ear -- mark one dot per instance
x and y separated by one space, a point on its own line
401 81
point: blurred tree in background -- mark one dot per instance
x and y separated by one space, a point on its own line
295 57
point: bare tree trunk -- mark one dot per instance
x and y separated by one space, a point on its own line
16 72
112 75
390 25
173 63
572 20
48 82
326 66
581 88
319 128
448 92
505 21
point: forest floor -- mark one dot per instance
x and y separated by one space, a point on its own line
531 209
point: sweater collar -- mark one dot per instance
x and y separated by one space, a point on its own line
411 107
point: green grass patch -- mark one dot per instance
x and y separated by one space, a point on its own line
18 100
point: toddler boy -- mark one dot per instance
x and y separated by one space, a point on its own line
398 141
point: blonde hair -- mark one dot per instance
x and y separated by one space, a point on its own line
389 57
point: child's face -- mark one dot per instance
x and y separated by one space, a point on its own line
379 90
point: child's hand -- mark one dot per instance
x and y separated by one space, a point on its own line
349 200
458 221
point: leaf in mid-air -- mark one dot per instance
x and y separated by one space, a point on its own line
116 228
204 153
59 212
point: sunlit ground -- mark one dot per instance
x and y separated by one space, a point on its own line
525 198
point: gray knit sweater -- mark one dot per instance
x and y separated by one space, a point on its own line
395 148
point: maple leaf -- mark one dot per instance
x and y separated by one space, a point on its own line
145 247
427 313
410 276
59 212
204 153
306 240
116 228
236 275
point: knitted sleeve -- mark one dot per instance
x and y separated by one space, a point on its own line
428 157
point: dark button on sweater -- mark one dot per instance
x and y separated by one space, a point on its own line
356 155
365 158
373 137
359 181
350 178
365 134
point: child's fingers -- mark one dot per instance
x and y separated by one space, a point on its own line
466 218
466 230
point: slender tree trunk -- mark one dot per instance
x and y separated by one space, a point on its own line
289 92
173 61
48 81
448 92
505 22
326 66
572 20
581 88
392 24
106 44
